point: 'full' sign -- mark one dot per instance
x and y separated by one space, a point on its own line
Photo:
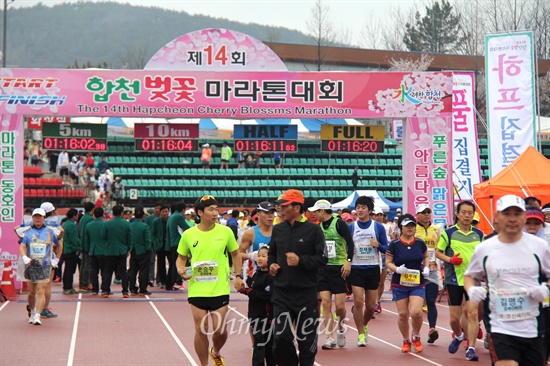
352 132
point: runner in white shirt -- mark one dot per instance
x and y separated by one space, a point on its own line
513 263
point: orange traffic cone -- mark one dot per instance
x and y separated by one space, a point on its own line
7 285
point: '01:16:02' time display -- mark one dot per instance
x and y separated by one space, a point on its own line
72 143
166 145
266 145
366 146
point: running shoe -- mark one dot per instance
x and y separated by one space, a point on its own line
432 335
218 359
145 293
425 309
69 292
406 346
366 329
329 344
471 354
118 282
57 280
47 313
361 341
486 342
35 319
377 308
125 295
455 344
82 289
341 338
417 344
104 295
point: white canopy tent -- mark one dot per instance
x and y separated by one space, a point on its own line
350 200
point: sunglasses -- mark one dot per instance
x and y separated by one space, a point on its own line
425 212
206 198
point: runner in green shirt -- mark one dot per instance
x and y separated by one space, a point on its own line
207 245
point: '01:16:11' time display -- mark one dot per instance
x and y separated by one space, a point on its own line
166 145
72 143
366 146
266 145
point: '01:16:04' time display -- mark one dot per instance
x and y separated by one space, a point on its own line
266 145
366 146
72 143
166 145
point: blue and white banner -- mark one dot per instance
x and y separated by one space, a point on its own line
510 78
466 157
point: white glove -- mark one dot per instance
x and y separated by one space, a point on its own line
539 293
402 269
477 294
426 271
55 262
253 256
26 260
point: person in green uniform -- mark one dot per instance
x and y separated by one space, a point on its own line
158 235
207 246
149 221
118 235
175 227
85 262
140 253
94 241
71 250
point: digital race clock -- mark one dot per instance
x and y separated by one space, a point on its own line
168 137
175 145
74 136
264 145
266 138
352 146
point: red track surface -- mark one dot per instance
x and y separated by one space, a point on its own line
158 330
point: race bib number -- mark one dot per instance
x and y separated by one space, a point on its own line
37 250
410 279
366 252
513 304
331 249
431 255
205 271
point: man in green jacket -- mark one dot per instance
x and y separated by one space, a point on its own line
149 221
141 253
92 239
118 235
158 235
175 227
85 263
71 250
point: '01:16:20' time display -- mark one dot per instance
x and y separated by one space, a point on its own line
166 145
264 145
366 146
72 143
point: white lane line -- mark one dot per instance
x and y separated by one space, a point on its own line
396 347
244 316
75 332
437 326
173 334
5 304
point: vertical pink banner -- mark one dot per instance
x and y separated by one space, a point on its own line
428 159
11 185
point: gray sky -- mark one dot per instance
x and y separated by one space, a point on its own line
350 15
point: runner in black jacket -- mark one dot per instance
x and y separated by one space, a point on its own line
296 252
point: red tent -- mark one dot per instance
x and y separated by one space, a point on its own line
528 175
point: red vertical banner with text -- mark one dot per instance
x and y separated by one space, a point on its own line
11 185
429 166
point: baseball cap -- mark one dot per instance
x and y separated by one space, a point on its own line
188 212
510 200
321 205
39 211
420 208
290 196
377 211
535 214
206 145
265 206
476 217
347 217
47 207
407 222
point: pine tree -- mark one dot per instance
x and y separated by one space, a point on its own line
438 31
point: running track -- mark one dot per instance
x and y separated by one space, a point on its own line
158 330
